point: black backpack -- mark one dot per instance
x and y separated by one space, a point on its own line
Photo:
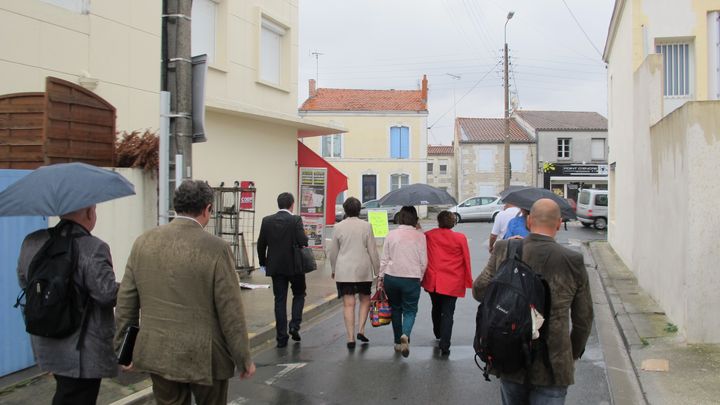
54 305
503 325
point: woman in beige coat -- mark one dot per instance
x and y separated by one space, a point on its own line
354 260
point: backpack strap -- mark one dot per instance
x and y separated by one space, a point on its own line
514 249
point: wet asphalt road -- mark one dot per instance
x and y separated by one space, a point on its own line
321 370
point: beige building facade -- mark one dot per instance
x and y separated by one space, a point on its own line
441 168
385 146
251 122
664 154
109 47
480 156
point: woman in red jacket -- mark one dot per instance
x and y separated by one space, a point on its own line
448 275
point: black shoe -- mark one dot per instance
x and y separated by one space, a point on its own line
280 345
362 338
445 352
350 345
295 335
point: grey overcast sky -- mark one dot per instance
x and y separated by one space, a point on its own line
390 44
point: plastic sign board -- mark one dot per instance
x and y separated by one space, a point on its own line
378 220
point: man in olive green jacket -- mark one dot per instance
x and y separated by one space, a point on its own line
180 284
565 273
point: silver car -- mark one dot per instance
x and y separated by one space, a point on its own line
481 207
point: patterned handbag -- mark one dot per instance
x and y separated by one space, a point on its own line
380 312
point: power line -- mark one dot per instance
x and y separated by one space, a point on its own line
581 28
465 95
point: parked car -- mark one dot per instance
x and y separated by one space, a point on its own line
592 208
372 205
482 207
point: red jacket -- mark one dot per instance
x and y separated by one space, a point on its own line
448 271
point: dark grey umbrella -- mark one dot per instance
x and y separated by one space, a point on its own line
62 188
526 197
511 189
417 194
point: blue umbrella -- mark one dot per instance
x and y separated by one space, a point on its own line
62 188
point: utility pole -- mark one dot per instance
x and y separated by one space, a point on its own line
177 79
506 175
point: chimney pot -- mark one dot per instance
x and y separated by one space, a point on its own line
424 89
313 89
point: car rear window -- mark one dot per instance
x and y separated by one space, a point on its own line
601 200
584 198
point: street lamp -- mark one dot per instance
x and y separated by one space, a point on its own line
507 108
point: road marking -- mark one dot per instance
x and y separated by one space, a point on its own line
289 368
239 401
574 242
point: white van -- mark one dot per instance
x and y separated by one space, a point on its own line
592 208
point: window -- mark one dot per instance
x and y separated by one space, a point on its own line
332 146
597 149
676 68
369 187
399 142
443 166
430 167
563 151
518 159
487 200
78 6
271 50
399 181
443 189
601 200
485 160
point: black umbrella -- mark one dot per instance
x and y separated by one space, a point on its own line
510 189
526 197
417 194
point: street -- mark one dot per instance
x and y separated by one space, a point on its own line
321 370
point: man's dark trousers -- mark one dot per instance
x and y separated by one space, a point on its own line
76 391
443 310
280 290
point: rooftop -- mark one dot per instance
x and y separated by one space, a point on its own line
440 150
490 130
325 99
564 120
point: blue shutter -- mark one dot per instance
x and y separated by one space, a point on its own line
395 142
404 142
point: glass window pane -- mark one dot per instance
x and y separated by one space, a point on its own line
687 69
325 146
203 29
337 145
270 50
675 78
429 167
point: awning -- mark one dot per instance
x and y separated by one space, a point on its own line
305 127
336 181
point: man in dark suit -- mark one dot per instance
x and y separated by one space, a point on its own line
565 273
279 233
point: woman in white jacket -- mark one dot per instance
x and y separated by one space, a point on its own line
354 260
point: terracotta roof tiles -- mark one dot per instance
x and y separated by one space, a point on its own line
490 130
440 150
365 100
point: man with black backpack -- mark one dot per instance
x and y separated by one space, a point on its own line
530 291
69 292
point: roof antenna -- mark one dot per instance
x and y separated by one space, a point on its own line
317 55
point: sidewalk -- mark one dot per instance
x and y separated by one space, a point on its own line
693 375
31 386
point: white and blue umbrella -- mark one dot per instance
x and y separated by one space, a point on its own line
62 188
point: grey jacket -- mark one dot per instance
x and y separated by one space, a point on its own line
571 313
96 357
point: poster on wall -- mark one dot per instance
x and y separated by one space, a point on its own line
313 193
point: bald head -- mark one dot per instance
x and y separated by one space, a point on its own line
86 217
545 217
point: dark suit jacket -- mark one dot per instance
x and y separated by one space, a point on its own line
278 234
565 273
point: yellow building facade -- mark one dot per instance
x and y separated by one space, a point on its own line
385 146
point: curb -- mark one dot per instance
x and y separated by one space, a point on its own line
256 341
621 372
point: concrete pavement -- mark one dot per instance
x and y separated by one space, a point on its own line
648 336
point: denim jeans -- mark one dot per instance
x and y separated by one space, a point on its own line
403 294
520 394
443 310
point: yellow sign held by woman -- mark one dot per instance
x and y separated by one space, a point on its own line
379 222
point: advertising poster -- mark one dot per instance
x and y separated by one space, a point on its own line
313 190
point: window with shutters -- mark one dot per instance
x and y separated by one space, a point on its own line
430 168
203 28
399 142
272 47
443 167
597 149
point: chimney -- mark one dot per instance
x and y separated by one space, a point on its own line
424 89
313 90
